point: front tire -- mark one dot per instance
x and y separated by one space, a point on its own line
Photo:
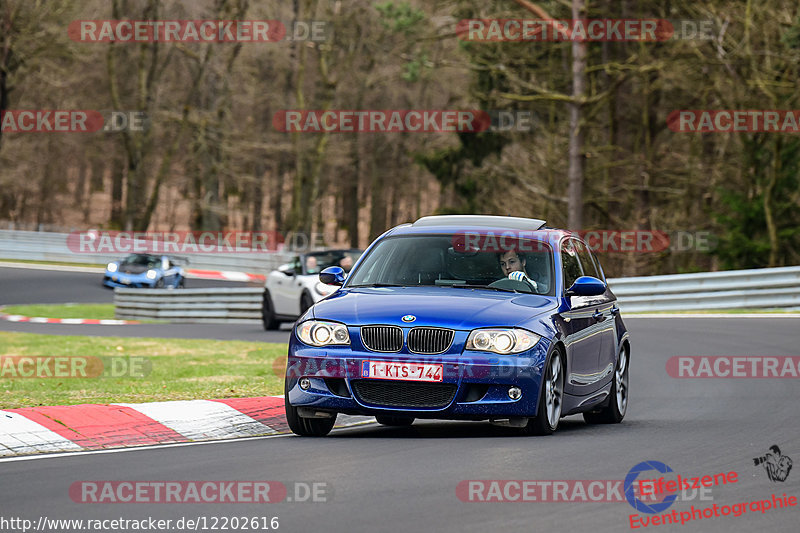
305 303
614 412
395 421
306 427
268 313
548 412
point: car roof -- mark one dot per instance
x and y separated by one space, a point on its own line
452 224
481 221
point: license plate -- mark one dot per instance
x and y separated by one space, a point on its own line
401 371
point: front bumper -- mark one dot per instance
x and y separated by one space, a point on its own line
129 281
480 382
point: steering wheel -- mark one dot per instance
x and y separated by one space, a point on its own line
514 285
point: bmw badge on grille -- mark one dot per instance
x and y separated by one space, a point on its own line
409 318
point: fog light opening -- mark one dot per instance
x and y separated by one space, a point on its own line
305 383
515 393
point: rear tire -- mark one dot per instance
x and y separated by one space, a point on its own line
548 412
306 427
268 313
614 412
396 421
159 284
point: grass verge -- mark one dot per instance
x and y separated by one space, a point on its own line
53 263
94 311
164 369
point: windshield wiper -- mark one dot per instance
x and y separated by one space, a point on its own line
375 285
468 286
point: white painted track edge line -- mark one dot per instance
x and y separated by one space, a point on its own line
162 446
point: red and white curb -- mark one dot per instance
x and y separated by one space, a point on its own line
224 275
43 320
31 430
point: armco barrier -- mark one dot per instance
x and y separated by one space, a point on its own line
44 246
762 288
731 289
189 305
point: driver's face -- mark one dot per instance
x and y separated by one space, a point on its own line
509 262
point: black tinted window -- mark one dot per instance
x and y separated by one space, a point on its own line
587 261
571 266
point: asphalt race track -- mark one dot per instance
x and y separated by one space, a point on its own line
405 479
20 286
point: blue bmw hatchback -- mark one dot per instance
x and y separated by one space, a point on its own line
462 318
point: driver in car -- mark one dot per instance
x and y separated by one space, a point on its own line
513 265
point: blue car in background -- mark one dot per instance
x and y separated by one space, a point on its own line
145 271
462 318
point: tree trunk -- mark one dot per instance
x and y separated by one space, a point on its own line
259 172
575 174
769 219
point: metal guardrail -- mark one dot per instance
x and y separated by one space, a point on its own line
44 246
763 288
189 305
731 289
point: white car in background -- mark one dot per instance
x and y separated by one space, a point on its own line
295 286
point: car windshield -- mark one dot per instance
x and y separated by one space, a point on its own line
142 260
444 260
315 262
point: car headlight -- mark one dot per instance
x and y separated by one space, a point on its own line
321 333
502 340
151 274
112 267
324 290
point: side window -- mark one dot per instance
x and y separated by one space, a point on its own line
297 265
587 261
600 274
571 267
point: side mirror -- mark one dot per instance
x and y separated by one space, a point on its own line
586 286
332 275
287 269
